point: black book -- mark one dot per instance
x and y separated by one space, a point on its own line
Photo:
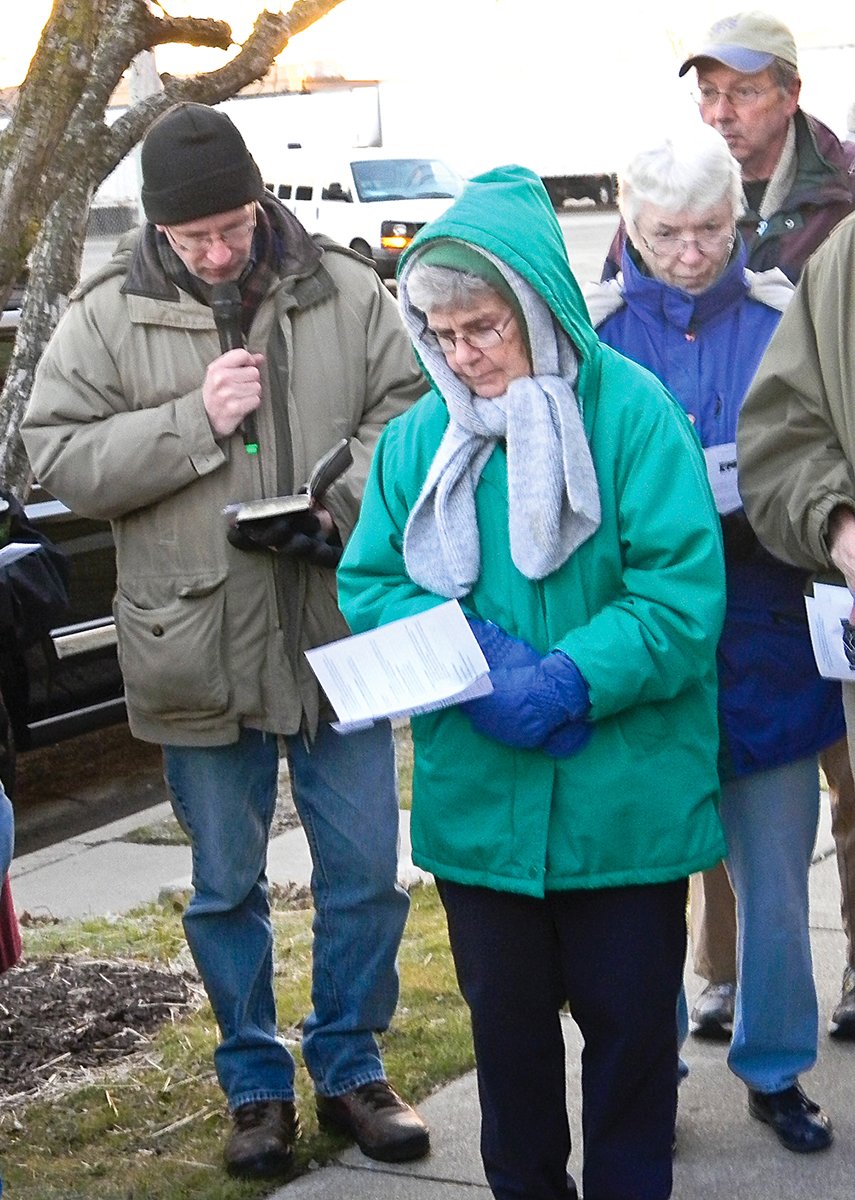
326 470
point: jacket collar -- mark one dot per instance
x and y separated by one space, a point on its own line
299 256
678 308
823 171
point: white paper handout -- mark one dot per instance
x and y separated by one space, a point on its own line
723 477
413 665
828 606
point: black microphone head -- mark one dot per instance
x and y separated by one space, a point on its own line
227 307
225 297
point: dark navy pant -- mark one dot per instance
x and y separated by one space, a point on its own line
616 955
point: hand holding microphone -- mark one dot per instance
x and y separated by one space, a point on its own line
232 388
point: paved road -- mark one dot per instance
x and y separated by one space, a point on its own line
79 785
588 235
587 232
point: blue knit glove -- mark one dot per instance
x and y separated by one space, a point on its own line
528 703
568 739
499 648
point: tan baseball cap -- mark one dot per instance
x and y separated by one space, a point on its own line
747 42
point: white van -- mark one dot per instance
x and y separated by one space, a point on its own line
371 199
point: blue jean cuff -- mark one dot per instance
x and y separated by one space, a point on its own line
360 1081
259 1096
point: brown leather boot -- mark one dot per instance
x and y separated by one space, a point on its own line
261 1144
383 1125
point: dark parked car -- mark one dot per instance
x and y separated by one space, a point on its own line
68 680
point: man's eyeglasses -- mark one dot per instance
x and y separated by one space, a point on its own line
478 339
668 245
743 96
232 236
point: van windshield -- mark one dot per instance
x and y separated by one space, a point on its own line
405 179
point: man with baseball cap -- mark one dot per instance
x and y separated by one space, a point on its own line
797 188
137 415
793 167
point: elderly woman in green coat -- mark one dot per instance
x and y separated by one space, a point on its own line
559 494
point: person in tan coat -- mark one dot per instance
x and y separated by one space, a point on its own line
138 416
796 447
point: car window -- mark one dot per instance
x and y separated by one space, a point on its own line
405 179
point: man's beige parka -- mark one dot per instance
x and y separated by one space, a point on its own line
211 638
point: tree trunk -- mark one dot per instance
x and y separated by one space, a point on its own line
57 149
54 270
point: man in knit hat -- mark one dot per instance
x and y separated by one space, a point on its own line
138 416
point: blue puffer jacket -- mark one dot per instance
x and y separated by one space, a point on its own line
773 706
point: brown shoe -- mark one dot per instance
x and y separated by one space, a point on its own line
383 1125
261 1144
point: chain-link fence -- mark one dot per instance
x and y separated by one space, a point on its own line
111 220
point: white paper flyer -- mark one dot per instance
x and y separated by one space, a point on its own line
414 665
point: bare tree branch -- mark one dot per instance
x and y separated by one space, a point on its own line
58 148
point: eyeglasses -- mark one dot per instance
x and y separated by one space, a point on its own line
196 243
742 96
668 245
478 339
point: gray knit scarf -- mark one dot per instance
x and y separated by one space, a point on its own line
553 498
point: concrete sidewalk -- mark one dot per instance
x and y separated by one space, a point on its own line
99 872
721 1152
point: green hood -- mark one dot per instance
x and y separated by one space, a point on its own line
507 212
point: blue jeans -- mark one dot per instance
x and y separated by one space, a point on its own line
346 795
770 820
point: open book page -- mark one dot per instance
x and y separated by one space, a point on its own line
826 610
414 665
326 470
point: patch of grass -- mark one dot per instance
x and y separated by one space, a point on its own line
161 833
153 1128
404 763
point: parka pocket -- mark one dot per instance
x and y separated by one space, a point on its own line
171 654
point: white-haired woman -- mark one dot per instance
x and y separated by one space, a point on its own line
685 307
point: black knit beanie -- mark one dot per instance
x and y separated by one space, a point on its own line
195 163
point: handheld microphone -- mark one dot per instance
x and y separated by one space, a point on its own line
226 306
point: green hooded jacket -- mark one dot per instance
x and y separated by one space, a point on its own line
638 607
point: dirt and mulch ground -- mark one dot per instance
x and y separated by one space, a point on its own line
64 1013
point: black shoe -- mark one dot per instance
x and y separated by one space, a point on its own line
712 1016
842 1023
800 1124
383 1125
261 1144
